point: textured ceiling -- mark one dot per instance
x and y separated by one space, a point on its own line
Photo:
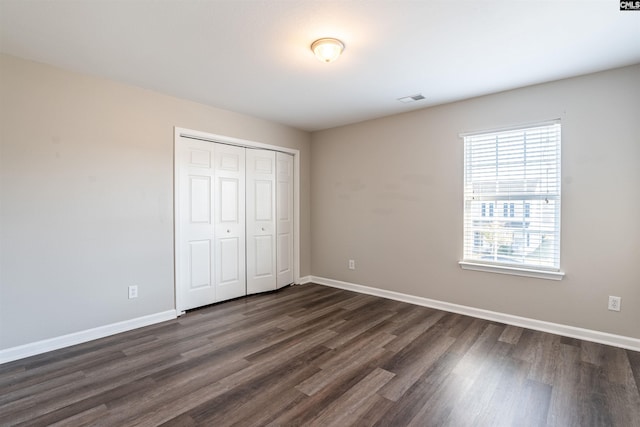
253 57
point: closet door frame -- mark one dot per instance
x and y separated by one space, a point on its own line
204 136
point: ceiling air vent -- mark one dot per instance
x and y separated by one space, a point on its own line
412 98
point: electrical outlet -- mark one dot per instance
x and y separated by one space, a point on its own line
133 291
352 264
614 303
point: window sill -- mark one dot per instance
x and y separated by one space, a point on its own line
490 268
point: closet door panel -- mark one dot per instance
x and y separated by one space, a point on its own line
261 224
284 214
229 208
195 265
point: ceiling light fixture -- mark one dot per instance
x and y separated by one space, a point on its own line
327 49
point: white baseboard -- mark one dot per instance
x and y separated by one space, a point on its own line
305 280
38 347
31 349
524 322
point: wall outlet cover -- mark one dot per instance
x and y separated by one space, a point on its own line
133 291
614 303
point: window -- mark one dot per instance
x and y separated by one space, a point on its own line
519 170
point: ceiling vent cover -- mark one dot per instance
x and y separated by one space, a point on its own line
411 98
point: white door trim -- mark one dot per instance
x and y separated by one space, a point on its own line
204 136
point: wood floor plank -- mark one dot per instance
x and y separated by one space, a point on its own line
482 378
302 413
413 360
465 330
407 333
89 417
29 387
622 405
271 406
352 404
502 405
566 392
633 358
429 398
178 404
532 405
94 401
438 408
355 350
50 375
314 355
274 361
291 344
356 301
229 407
161 400
372 410
542 351
353 327
310 318
511 334
592 407
330 373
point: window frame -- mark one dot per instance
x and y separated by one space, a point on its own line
527 270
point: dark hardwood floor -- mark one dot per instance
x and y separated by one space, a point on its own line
317 356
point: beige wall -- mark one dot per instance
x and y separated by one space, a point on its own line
388 193
86 193
86 176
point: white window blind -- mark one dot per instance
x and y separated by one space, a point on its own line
512 198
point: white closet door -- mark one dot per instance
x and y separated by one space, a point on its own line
195 227
284 213
229 222
261 222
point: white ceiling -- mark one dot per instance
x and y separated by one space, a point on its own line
253 57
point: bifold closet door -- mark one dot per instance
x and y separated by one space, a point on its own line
234 221
284 213
261 220
210 219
